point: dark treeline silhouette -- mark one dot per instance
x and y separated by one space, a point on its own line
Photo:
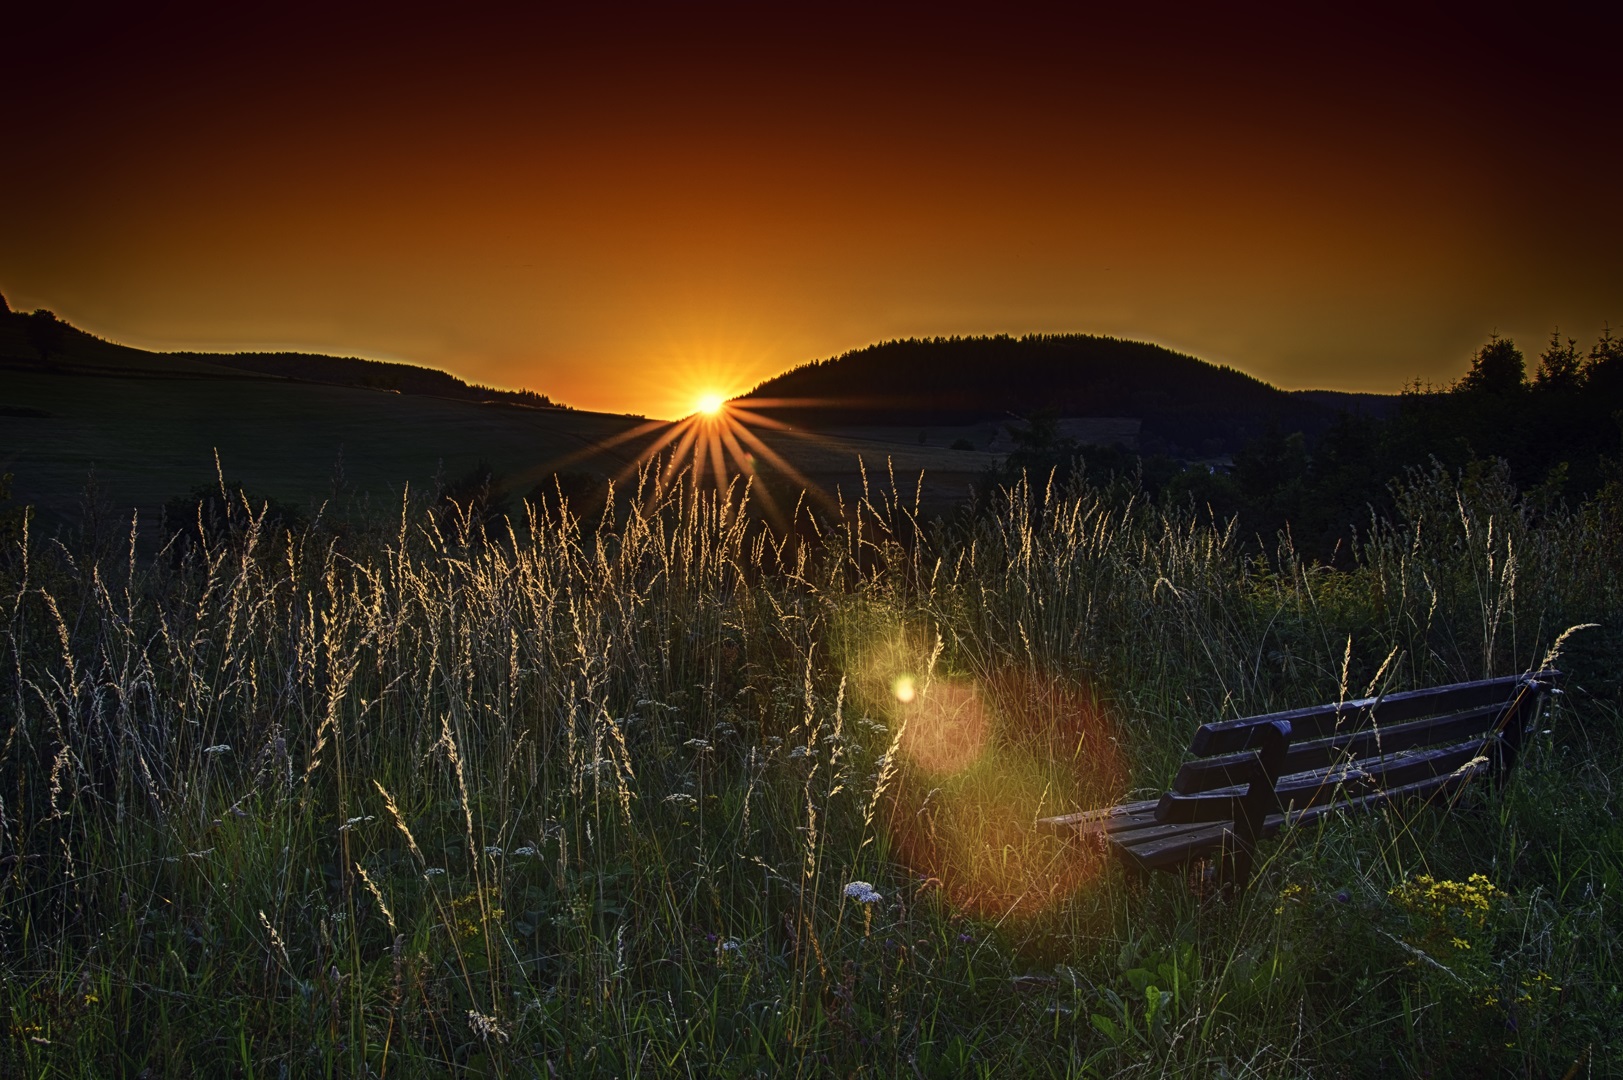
40 339
1558 434
371 375
1189 408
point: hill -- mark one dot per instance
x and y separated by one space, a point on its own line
96 428
71 351
1187 406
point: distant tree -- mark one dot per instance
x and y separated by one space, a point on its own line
212 516
1559 368
470 501
46 333
1271 472
1498 368
1603 371
5 308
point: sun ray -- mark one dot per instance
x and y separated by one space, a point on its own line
777 460
746 466
701 454
684 447
671 432
717 463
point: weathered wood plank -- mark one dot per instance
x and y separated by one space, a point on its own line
1353 756
1321 721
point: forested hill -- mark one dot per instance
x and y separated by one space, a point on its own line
1187 406
40 341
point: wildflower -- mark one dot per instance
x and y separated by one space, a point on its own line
797 752
526 852
731 947
1286 895
494 851
486 1027
434 871
862 893
220 748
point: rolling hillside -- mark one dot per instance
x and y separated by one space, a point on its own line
1188 406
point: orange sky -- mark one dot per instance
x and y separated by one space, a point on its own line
621 211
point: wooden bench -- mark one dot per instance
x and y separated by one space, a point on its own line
1252 777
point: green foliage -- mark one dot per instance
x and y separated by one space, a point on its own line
225 517
647 797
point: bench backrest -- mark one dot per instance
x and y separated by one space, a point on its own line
1246 769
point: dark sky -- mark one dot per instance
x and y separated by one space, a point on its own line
626 208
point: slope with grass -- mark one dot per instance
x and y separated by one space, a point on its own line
676 796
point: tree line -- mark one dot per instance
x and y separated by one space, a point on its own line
1557 432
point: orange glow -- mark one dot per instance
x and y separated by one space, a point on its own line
710 404
599 207
981 759
947 729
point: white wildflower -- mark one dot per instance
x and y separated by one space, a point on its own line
862 893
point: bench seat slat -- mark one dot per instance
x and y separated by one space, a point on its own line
1095 819
1177 844
1312 787
1356 755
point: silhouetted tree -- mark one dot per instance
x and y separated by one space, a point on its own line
5 308
1559 368
1271 472
1603 371
210 517
46 333
474 498
1498 368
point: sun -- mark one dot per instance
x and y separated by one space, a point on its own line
710 404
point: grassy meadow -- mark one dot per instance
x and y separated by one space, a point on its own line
140 437
670 794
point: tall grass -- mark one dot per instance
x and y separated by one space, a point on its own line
671 793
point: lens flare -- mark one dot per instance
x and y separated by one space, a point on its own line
946 728
981 755
710 404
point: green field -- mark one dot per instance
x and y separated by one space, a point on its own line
148 436
644 800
